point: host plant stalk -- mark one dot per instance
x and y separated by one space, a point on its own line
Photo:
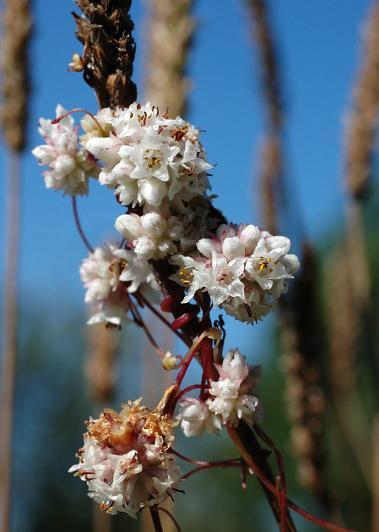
102 347
17 24
361 132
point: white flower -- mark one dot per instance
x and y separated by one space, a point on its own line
149 234
108 274
151 158
125 459
243 269
146 157
218 277
263 265
231 398
195 418
68 166
132 120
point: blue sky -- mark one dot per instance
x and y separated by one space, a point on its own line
319 48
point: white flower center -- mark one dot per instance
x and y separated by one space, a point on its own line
224 276
263 265
152 159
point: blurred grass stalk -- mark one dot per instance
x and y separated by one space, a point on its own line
349 288
361 132
299 319
17 26
272 159
170 29
169 34
103 343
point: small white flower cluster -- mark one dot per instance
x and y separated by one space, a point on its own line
69 166
143 156
147 157
108 274
230 398
126 461
243 269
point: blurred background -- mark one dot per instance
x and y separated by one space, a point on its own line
287 94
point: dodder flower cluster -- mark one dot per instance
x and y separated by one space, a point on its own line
158 168
108 274
69 167
243 269
229 398
125 459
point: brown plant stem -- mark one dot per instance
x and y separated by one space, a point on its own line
17 26
9 344
154 512
172 518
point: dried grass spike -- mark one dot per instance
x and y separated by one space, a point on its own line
301 339
170 31
105 30
17 27
272 160
363 117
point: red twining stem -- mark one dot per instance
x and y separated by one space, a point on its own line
273 489
187 390
79 110
79 225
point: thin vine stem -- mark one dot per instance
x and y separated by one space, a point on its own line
211 465
203 462
161 317
79 110
79 225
